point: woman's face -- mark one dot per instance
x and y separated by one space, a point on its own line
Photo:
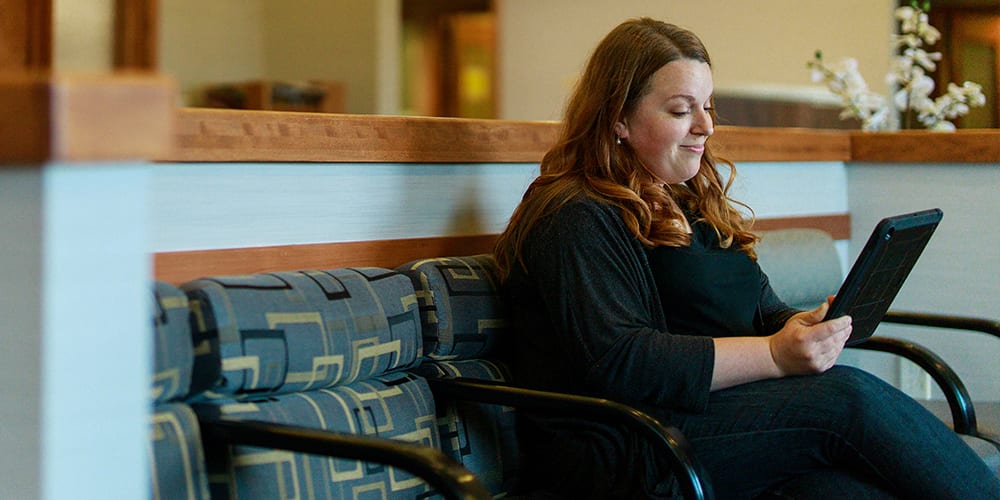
670 124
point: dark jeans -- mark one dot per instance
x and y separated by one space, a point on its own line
842 434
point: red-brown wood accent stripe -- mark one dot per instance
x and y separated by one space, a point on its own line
961 146
178 267
837 225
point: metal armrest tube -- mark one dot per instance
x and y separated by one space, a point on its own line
689 473
963 414
982 325
439 470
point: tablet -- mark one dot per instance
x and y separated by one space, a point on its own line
879 272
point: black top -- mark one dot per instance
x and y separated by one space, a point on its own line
598 314
712 291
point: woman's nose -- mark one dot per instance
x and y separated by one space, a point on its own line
703 124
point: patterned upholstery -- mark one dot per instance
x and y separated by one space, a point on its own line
295 331
802 264
178 466
397 406
320 349
460 310
464 325
483 437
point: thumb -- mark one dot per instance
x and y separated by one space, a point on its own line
817 315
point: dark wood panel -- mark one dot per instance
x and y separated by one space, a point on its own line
25 34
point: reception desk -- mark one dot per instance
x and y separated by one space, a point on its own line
105 186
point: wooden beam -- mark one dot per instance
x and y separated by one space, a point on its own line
137 27
25 34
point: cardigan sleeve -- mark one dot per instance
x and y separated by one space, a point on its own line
603 312
774 313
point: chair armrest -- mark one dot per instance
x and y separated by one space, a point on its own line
981 325
434 466
963 414
669 440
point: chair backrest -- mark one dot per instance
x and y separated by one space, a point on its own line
327 350
178 464
465 335
803 265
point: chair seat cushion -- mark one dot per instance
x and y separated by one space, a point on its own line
987 445
395 406
178 466
482 437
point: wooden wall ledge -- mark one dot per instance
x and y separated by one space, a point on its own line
962 146
85 118
213 135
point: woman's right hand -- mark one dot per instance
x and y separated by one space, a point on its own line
807 344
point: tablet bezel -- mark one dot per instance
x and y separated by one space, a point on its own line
857 289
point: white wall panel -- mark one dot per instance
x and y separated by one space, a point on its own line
244 205
959 272
204 206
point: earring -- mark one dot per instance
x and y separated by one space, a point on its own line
618 140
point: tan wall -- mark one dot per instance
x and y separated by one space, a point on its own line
82 33
754 44
211 41
759 45
315 39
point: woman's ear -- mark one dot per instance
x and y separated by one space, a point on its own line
621 130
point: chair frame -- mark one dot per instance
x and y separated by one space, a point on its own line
442 472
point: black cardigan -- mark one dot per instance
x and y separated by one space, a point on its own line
588 319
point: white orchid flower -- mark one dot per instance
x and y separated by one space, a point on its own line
908 73
942 126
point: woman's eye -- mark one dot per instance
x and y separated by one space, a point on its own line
681 113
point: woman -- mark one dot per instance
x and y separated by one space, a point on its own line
632 276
